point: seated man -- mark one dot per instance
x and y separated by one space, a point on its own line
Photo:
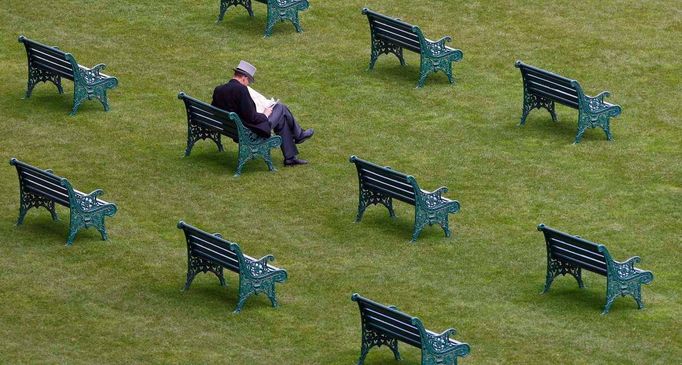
234 96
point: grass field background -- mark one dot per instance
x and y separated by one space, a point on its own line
120 301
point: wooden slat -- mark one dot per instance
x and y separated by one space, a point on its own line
214 250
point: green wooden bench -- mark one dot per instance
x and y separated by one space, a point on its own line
205 121
380 185
47 63
42 188
541 89
278 10
208 252
568 254
392 35
384 325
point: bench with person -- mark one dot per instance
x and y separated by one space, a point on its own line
278 10
208 252
384 325
542 89
380 185
42 188
205 121
46 63
568 254
392 35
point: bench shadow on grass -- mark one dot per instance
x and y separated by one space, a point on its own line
206 292
565 128
226 162
592 298
399 229
239 23
390 71
39 223
49 101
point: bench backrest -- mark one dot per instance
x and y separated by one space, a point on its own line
41 182
393 30
550 85
208 116
574 250
384 180
49 58
388 320
211 247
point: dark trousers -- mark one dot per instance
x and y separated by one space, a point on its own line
284 124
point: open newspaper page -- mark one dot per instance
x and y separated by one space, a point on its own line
261 101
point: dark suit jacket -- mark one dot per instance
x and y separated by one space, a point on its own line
234 97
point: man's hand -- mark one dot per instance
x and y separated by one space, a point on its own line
267 112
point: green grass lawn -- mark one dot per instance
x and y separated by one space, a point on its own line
120 301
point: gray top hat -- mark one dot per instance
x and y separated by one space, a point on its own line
246 69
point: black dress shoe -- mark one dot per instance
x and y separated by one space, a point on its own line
294 162
305 135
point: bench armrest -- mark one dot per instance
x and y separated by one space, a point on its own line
627 268
601 96
259 269
98 68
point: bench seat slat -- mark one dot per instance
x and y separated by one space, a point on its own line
398 185
567 88
405 332
381 189
578 257
212 120
38 189
216 248
50 61
381 170
553 97
53 68
527 69
214 256
580 264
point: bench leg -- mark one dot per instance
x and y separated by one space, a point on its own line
556 268
79 95
76 223
369 197
195 133
531 101
196 265
371 339
29 200
245 291
380 47
36 75
224 4
420 220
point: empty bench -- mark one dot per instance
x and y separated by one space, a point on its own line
386 325
47 63
568 254
210 252
380 185
391 35
278 10
205 121
542 89
42 188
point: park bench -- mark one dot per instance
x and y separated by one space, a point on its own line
391 35
42 188
380 185
386 325
568 254
278 10
541 89
47 63
206 121
210 252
